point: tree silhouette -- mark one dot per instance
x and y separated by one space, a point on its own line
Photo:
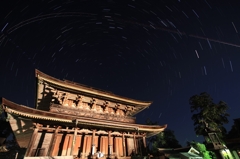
165 139
208 115
235 130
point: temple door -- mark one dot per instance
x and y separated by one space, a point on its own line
67 146
87 145
118 146
130 146
41 145
104 145
57 145
77 144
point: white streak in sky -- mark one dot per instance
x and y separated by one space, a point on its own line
16 72
197 54
145 28
160 115
168 8
195 13
209 44
234 27
58 37
4 27
12 66
231 66
60 49
152 26
161 63
66 30
164 23
205 70
208 4
200 45
171 23
131 6
223 63
185 14
179 73
217 41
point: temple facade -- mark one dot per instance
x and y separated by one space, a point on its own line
71 120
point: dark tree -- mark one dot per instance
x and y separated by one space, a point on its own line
5 129
6 133
235 130
165 139
208 115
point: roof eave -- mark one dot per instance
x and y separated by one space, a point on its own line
85 89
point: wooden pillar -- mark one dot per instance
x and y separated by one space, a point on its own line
123 144
93 142
109 144
134 142
52 142
74 140
32 141
144 142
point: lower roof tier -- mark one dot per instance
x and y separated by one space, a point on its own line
35 114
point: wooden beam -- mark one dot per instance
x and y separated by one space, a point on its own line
109 144
32 141
123 144
52 142
135 144
93 142
74 140
144 142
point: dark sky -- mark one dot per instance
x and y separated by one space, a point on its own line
163 51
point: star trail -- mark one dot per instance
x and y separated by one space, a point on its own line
162 51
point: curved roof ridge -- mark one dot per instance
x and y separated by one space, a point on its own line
80 87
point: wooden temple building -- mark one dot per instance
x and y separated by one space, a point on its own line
71 120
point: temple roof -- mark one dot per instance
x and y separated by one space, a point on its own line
35 114
76 88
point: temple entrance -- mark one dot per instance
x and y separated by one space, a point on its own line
84 143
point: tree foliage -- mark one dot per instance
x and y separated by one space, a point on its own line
208 115
203 151
5 128
165 139
235 130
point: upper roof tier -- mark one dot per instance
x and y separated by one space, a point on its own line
66 93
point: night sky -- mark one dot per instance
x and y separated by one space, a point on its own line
163 51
